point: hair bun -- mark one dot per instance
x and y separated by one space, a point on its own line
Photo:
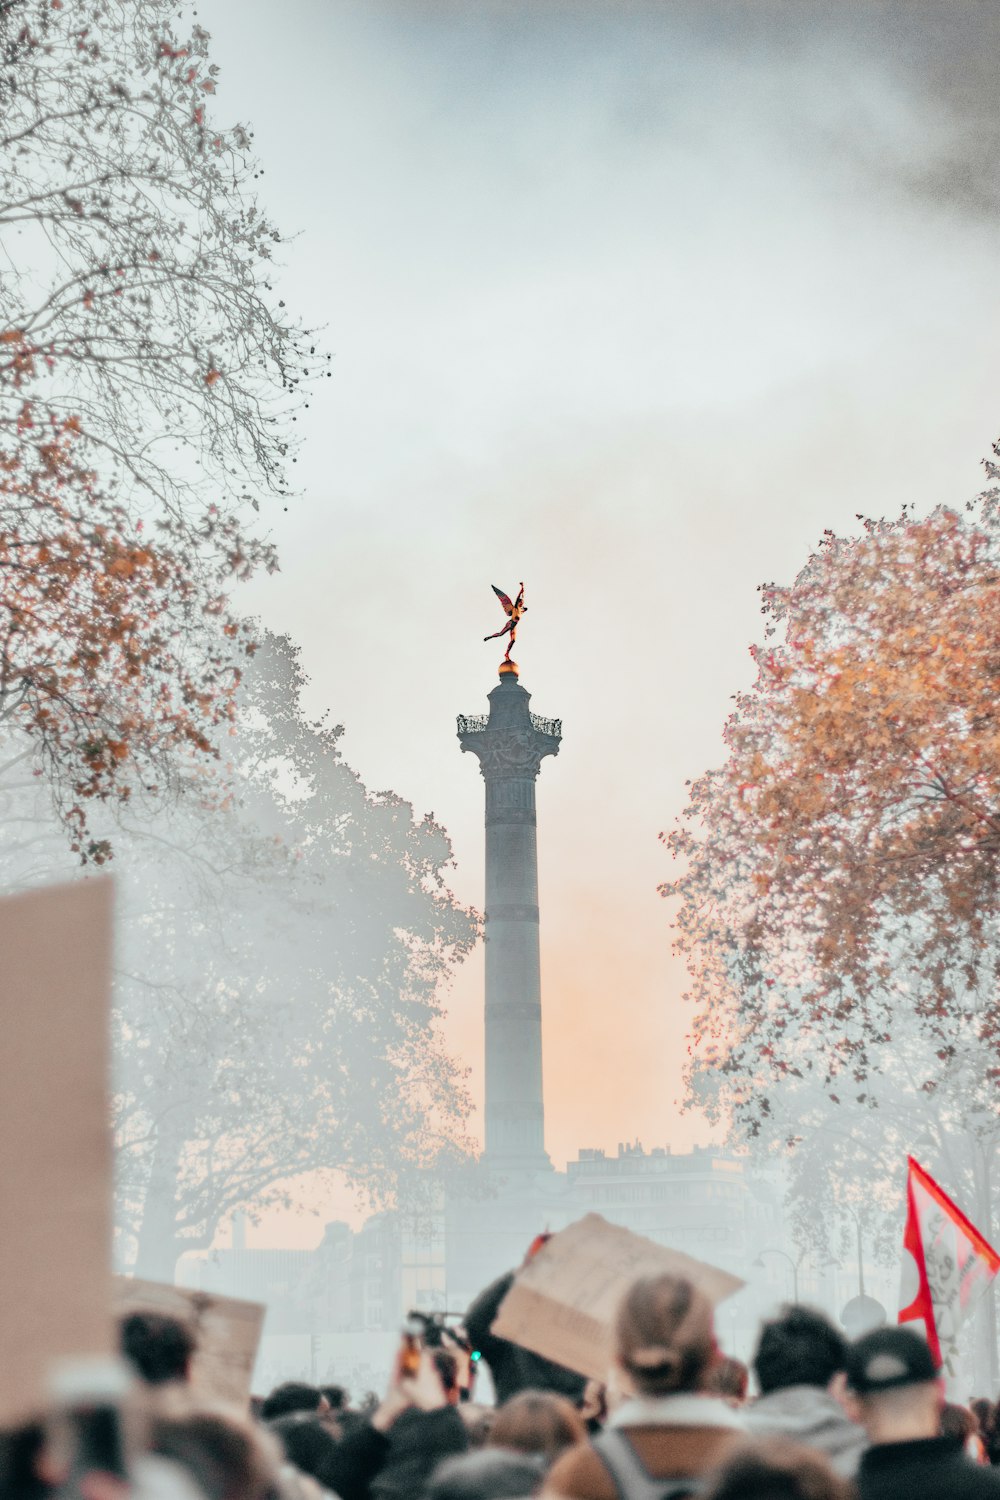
664 1334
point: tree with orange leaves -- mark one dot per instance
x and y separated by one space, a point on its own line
838 901
114 658
148 376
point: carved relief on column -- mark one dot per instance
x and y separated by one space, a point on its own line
508 752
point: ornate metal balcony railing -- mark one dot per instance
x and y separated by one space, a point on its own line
547 726
476 723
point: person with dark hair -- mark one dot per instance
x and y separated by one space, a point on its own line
293 1395
20 1452
895 1383
489 1474
984 1412
539 1423
671 1430
512 1367
990 1429
226 1456
336 1397
308 1443
777 1470
730 1379
959 1422
159 1348
800 1355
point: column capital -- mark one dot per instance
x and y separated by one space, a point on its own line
510 741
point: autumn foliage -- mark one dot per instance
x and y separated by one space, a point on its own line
838 894
112 658
147 379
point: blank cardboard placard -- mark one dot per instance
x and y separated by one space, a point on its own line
55 1140
226 1330
563 1302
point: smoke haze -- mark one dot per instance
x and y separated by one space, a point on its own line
630 302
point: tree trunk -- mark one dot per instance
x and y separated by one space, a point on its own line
158 1249
985 1363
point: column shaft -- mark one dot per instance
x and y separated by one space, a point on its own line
510 745
515 1125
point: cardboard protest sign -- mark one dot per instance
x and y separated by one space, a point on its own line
55 1143
562 1304
226 1330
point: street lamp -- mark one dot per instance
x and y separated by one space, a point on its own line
775 1250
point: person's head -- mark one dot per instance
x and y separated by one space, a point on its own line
776 1470
730 1379
991 1436
20 1473
478 1422
488 1474
308 1443
893 1380
158 1347
982 1409
293 1395
665 1336
957 1422
228 1458
336 1396
538 1422
799 1347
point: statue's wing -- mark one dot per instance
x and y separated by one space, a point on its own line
504 600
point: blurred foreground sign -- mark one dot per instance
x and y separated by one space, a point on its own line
563 1303
55 1146
226 1330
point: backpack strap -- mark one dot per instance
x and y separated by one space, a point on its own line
632 1479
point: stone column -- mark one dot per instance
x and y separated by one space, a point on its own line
510 744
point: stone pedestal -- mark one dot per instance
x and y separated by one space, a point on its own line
510 744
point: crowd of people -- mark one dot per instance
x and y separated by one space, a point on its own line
826 1420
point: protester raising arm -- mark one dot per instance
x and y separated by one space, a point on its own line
427 1430
512 1367
394 1450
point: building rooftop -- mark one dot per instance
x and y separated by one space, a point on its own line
633 1157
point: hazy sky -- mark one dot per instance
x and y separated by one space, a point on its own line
628 301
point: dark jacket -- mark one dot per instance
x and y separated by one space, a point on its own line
355 1461
418 1441
513 1368
927 1469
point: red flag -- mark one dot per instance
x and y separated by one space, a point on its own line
947 1265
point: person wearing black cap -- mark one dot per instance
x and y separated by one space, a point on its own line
896 1387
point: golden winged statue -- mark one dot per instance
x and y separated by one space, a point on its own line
513 611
